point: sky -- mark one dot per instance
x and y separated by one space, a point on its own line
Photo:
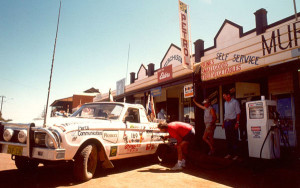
94 40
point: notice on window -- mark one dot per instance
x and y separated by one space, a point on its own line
188 91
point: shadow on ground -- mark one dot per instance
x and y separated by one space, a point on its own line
62 175
245 172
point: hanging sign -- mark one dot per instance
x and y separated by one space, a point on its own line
188 91
184 36
120 87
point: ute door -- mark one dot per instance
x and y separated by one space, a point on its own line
148 145
133 134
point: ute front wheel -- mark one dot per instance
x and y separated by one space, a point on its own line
86 163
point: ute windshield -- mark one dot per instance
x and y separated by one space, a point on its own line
99 111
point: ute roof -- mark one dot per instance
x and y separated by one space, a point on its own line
120 103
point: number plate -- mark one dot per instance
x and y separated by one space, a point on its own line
15 150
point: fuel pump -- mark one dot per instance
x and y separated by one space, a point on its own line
263 134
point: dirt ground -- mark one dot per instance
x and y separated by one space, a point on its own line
202 171
141 171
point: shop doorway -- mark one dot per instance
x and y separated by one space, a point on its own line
172 109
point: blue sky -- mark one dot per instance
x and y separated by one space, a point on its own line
93 41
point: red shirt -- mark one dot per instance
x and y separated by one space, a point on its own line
178 130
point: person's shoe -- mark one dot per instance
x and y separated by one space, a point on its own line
183 164
211 152
177 167
235 157
227 156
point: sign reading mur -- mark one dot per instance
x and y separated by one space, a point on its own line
276 45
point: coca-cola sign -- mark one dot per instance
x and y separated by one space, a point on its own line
164 74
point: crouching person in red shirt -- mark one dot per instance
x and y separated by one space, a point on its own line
184 133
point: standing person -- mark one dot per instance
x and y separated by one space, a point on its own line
161 114
184 133
231 124
210 123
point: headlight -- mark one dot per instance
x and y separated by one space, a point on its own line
49 143
42 138
39 138
22 136
8 133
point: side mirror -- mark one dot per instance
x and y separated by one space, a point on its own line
129 118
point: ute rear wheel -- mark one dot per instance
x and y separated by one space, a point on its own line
86 163
24 163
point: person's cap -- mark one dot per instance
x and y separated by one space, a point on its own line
205 101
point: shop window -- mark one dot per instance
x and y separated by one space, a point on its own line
188 111
285 108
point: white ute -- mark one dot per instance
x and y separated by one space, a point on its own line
94 135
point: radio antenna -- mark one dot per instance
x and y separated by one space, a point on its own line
45 118
296 16
126 71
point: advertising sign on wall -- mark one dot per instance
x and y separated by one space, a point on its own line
184 35
244 89
155 92
276 45
164 74
172 57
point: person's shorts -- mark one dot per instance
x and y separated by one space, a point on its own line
190 137
209 128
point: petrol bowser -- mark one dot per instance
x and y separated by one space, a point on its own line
263 135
